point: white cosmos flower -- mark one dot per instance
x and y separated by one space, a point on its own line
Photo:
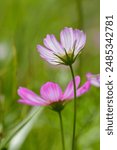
65 51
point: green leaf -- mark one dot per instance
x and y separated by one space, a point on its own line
22 129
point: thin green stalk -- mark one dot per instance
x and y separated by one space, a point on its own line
62 132
80 23
80 14
74 119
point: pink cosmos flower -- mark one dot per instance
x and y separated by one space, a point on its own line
51 94
94 79
65 51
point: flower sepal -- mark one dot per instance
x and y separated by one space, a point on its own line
57 106
67 59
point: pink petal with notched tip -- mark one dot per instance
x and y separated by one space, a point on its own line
48 55
83 89
69 92
79 39
94 79
29 97
51 43
51 92
67 39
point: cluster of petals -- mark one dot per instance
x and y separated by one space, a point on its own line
94 79
65 51
51 93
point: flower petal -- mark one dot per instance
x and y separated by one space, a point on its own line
67 39
28 102
48 55
69 92
29 97
83 89
79 40
94 79
51 92
51 43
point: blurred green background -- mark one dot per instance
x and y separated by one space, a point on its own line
23 25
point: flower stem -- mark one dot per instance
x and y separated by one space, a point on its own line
62 132
80 22
80 14
74 119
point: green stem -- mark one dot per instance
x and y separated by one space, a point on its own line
62 132
74 119
80 14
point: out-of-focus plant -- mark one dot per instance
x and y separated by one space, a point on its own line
22 127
